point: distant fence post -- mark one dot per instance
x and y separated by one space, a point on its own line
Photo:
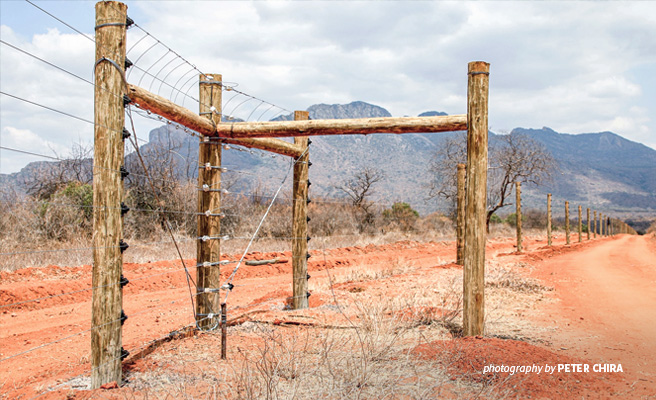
518 214
602 218
460 209
109 120
594 225
580 224
476 199
549 219
567 222
589 228
208 248
299 221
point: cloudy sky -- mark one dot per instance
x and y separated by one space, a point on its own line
575 67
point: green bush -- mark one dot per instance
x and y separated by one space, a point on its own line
511 219
401 215
495 219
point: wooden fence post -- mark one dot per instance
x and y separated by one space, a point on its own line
107 296
299 221
567 222
208 248
594 225
589 227
518 214
549 219
601 225
580 224
476 199
460 210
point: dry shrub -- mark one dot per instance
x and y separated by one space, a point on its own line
372 359
533 219
500 277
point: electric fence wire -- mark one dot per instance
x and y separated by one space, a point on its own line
89 248
234 272
135 350
90 38
172 271
69 159
135 143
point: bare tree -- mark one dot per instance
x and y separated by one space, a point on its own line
43 179
512 158
359 188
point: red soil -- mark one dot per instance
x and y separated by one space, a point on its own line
605 291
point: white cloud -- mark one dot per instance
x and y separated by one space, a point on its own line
573 66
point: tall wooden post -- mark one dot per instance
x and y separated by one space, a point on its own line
567 222
518 213
299 221
589 227
460 216
549 219
107 297
580 224
208 247
594 225
476 199
601 225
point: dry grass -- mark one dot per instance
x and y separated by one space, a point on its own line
361 346
372 359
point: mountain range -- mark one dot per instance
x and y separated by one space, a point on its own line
601 170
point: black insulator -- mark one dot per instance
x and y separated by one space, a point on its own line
128 22
124 209
309 163
128 63
123 317
309 183
309 294
308 219
126 100
124 246
308 238
308 277
307 256
124 281
308 201
229 285
126 134
309 142
124 354
124 173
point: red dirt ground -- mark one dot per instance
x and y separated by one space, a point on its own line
604 310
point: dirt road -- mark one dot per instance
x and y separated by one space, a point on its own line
606 311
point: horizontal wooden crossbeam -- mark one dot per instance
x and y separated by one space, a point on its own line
260 134
173 112
356 126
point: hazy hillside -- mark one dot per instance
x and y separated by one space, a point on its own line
602 170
